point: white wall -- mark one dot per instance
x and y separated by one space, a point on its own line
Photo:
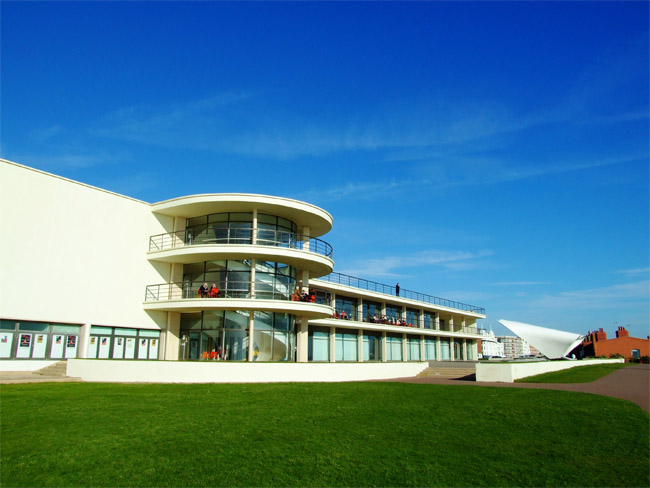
509 372
227 372
72 253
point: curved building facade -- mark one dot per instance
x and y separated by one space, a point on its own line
214 277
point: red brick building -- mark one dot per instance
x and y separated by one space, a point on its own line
597 344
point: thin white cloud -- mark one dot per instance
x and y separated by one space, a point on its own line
386 266
634 271
604 297
521 283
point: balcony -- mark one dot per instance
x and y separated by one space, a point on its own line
362 284
294 249
240 236
232 295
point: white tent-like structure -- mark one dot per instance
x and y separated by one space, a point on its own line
552 343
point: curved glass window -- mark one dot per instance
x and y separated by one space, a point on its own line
347 345
429 348
413 348
224 336
319 344
274 281
371 346
273 337
236 228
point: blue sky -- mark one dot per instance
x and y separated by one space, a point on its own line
490 153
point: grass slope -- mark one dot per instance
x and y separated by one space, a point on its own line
346 434
579 374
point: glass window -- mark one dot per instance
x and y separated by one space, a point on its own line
319 344
126 332
149 333
211 320
413 317
66 329
470 350
7 324
371 346
94 329
346 307
413 347
429 348
444 349
394 347
346 345
34 326
371 311
394 312
429 320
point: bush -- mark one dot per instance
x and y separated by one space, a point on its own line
645 359
616 356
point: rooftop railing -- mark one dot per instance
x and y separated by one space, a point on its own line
362 284
240 236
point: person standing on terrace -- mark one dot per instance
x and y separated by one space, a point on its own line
397 289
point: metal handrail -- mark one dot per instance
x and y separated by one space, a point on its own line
228 289
239 236
355 282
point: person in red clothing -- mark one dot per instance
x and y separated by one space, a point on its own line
214 291
204 291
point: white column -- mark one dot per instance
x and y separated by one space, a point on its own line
421 348
305 236
254 229
360 345
84 339
332 344
452 355
302 341
404 347
360 310
436 322
421 319
171 348
464 349
251 335
437 345
252 285
383 346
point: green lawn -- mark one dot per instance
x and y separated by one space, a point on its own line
345 434
579 374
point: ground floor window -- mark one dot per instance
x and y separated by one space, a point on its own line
413 348
122 343
372 346
394 347
347 345
225 335
38 340
319 344
445 353
470 351
430 349
458 351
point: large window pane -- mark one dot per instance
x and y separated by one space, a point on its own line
319 344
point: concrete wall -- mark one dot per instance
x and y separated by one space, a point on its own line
225 372
26 365
72 253
509 372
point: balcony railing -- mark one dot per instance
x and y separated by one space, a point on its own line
230 289
354 282
352 315
240 236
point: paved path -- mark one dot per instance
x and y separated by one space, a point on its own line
629 383
7 377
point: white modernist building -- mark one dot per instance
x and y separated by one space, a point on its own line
490 345
87 273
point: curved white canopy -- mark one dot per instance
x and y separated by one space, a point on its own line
552 343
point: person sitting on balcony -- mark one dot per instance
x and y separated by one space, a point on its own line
344 315
335 315
204 291
304 297
296 295
312 296
214 291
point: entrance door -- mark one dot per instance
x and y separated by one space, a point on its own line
104 347
6 341
56 349
71 346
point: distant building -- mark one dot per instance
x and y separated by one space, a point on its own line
514 347
597 344
489 346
